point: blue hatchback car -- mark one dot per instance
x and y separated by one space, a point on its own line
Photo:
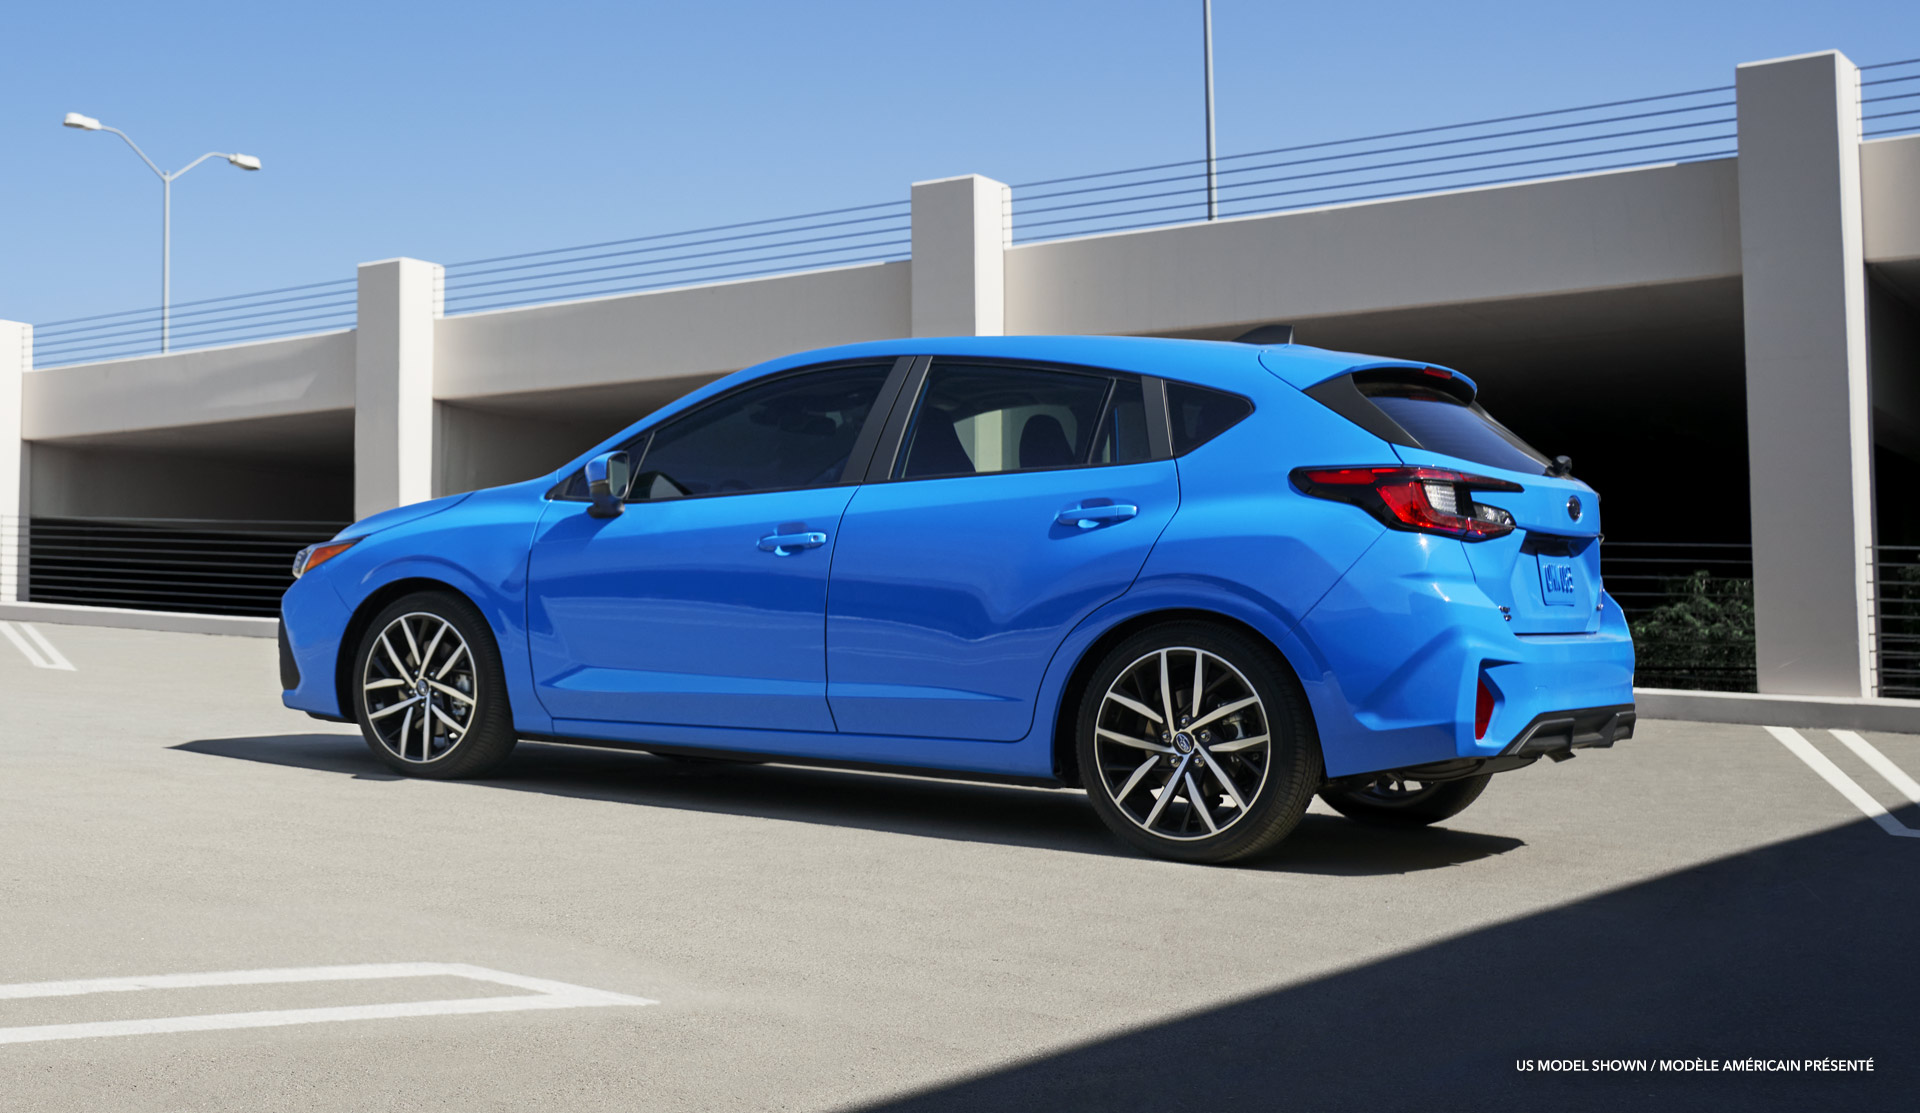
1202 580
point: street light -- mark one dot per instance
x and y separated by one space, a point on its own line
1206 35
244 162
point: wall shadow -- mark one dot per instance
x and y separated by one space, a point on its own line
1798 950
1053 819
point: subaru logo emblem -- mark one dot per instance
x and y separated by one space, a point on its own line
1573 507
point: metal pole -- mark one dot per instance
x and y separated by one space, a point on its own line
166 254
1206 31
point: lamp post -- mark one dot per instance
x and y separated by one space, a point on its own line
244 162
1206 33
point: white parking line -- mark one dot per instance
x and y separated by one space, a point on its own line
20 643
1895 776
1845 785
55 659
545 995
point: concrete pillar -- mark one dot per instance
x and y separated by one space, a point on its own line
16 359
960 235
1810 448
393 384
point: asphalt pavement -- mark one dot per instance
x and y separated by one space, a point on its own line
208 902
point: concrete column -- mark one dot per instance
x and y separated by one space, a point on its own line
16 359
960 236
393 384
1810 448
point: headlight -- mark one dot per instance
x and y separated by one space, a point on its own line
313 556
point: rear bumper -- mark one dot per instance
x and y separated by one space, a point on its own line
1556 734
1397 650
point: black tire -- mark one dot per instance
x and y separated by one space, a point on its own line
1272 781
387 689
1391 802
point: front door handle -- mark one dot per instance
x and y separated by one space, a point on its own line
787 544
1096 512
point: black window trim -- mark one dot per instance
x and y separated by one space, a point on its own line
864 443
893 441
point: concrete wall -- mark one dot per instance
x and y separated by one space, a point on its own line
1889 184
306 374
702 331
476 448
1644 227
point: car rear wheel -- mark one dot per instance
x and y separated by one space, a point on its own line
430 695
1392 801
1195 743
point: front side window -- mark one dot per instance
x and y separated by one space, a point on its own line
979 419
794 431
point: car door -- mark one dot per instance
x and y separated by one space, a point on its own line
1019 499
704 602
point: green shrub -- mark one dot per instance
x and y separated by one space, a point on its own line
1701 637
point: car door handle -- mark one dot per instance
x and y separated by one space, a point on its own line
1090 514
787 544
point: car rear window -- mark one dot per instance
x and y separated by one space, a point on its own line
1443 423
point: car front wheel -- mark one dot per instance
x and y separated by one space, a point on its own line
429 692
1195 743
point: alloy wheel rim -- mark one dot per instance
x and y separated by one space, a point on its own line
1182 743
419 688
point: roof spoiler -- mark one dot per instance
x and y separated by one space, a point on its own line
1266 334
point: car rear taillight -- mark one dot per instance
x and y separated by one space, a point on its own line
1482 710
1426 500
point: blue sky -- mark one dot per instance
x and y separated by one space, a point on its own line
455 131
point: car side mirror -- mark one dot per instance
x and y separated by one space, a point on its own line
607 477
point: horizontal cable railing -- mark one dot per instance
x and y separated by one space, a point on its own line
1890 98
718 253
209 322
1690 607
1896 594
195 565
1671 127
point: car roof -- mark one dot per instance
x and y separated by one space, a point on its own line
1219 363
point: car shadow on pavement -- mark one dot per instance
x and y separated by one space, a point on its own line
1053 819
1801 950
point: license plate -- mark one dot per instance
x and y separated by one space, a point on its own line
1558 585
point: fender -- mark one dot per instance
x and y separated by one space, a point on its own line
490 568
1168 594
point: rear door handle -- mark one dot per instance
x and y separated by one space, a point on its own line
787 544
1096 512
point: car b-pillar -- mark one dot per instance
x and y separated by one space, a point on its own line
399 304
960 230
1808 411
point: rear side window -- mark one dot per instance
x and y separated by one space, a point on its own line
1446 424
1198 415
978 419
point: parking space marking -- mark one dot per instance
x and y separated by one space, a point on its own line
55 659
1845 785
35 647
1895 776
544 994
